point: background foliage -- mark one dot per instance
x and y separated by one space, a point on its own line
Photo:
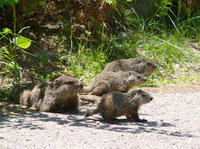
41 39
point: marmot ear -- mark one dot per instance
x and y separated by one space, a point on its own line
139 91
55 83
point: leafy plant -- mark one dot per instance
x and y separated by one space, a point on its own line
11 42
12 4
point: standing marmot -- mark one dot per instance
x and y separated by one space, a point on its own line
117 104
56 96
140 65
109 81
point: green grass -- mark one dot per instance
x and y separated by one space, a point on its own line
169 51
164 38
83 64
4 94
172 54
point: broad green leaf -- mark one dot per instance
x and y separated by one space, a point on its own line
23 42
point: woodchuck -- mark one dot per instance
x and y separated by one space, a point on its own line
115 104
109 81
57 96
139 64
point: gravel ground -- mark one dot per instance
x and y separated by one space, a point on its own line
173 123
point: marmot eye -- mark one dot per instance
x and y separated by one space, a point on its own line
138 77
69 82
130 74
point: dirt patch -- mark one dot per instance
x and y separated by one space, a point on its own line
173 89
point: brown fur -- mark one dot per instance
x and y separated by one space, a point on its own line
117 104
140 65
115 81
59 95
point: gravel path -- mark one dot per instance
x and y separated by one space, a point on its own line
173 123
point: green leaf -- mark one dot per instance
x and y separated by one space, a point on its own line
23 42
7 31
2 3
111 2
88 32
12 2
23 29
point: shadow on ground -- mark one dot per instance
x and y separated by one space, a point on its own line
127 126
14 116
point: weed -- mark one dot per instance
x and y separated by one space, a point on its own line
85 63
10 42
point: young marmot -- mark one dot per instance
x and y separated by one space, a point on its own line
117 104
59 95
109 81
139 64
